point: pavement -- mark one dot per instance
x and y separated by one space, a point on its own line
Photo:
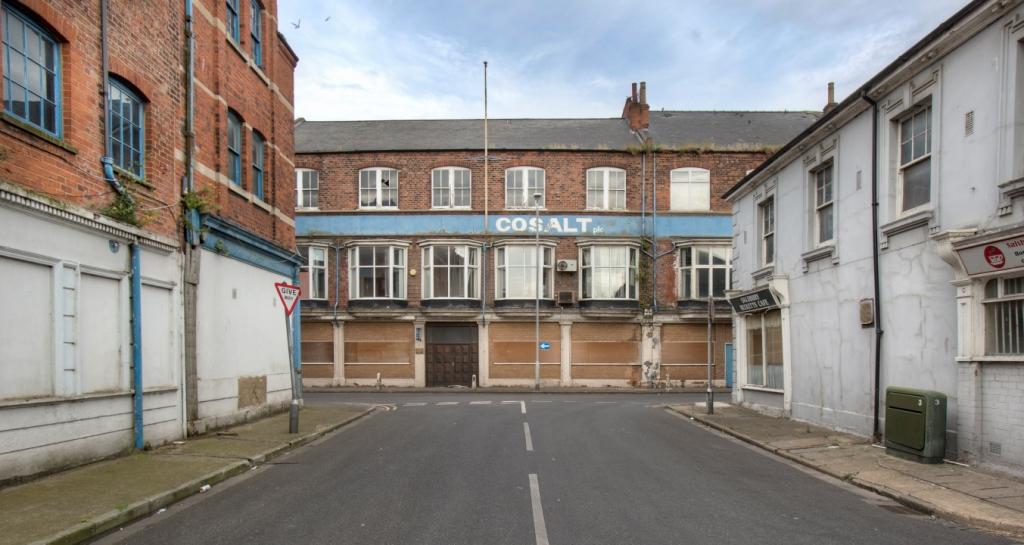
513 390
983 499
78 504
544 469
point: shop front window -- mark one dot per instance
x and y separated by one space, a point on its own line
764 349
1004 316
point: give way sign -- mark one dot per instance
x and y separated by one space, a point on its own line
289 295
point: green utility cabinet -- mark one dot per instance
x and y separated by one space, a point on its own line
915 424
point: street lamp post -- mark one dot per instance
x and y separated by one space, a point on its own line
540 270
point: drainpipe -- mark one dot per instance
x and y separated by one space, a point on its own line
877 429
337 278
136 300
654 229
296 318
106 161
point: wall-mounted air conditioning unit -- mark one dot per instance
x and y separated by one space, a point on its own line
566 298
566 265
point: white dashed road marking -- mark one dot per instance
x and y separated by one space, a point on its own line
529 440
479 402
448 403
415 404
522 406
606 402
540 530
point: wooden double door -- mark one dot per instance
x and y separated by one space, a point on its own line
452 354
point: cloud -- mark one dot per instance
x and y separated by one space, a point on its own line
576 58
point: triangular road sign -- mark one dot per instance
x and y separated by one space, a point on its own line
289 295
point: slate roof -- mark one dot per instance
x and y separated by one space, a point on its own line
725 130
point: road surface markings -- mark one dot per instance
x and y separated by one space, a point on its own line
415 404
479 402
522 406
509 402
568 402
540 530
529 440
447 402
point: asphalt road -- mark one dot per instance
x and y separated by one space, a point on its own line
528 469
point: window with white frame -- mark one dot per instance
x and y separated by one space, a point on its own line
317 272
451 272
824 209
307 188
915 159
608 272
520 185
1004 316
377 272
764 349
690 190
606 189
516 271
450 187
703 271
378 188
766 218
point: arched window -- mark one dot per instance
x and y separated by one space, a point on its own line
126 128
521 183
691 190
31 70
378 188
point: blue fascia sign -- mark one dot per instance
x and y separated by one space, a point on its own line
566 225
545 345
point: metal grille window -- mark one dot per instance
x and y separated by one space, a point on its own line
450 187
703 271
234 32
234 148
608 272
377 272
126 126
378 188
915 159
606 189
256 32
517 272
690 190
451 272
1004 316
824 215
520 185
31 67
317 272
767 213
307 188
764 349
258 152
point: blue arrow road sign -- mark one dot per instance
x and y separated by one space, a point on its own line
545 345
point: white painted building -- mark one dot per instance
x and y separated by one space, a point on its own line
939 133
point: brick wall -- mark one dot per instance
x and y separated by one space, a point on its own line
146 52
565 173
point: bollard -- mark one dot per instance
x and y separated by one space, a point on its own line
379 384
473 383
668 382
293 417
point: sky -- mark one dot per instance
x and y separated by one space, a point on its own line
423 59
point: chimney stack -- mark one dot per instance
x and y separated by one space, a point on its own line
831 98
636 111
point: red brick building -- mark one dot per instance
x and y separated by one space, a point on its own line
421 248
128 246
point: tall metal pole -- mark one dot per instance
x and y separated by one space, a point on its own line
711 353
293 409
536 292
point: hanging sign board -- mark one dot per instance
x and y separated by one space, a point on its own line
754 301
289 295
1002 255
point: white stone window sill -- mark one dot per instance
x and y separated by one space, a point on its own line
380 209
763 272
1014 358
307 209
908 222
824 252
762 389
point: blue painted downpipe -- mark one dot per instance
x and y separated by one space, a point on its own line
297 336
136 296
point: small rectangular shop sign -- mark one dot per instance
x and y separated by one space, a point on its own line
998 256
762 299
